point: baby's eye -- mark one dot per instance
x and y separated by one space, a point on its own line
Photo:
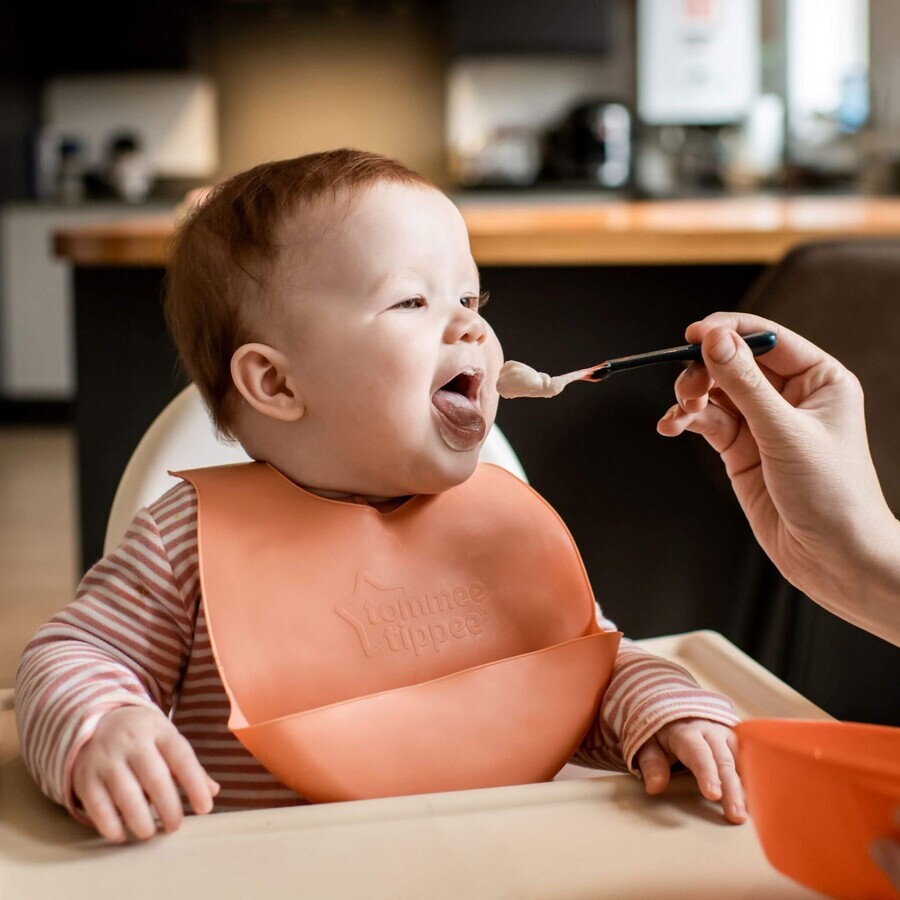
411 303
475 303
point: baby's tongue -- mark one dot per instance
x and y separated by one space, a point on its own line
462 425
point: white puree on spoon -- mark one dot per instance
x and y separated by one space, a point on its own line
518 380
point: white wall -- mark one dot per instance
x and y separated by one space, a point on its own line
884 38
37 341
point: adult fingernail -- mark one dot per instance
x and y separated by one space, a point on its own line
724 350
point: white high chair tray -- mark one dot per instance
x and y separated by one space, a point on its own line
586 834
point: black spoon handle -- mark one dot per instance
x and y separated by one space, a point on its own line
759 342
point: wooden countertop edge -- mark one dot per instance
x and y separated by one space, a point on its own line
518 250
644 249
742 230
83 248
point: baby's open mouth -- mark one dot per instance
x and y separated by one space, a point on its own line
460 420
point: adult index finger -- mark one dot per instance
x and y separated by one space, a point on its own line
792 354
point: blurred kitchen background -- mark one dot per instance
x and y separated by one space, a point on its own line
656 97
113 112
134 104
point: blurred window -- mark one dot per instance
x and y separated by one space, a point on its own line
827 69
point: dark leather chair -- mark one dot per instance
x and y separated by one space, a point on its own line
844 295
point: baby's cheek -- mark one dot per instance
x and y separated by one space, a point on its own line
489 403
493 359
494 347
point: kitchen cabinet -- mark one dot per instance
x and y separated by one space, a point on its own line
79 38
529 26
37 352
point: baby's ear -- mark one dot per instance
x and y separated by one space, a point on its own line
263 376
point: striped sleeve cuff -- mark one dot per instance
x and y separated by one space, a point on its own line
647 692
669 706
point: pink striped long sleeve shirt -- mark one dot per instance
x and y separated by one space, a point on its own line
135 634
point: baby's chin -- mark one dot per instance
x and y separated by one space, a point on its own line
433 478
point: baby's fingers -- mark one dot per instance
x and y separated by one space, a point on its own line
102 811
187 771
129 798
156 780
692 749
723 750
654 765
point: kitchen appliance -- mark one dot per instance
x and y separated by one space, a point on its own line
591 146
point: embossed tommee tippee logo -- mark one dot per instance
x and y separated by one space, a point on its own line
388 620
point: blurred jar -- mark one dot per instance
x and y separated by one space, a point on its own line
129 172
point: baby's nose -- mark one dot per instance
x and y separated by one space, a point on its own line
466 325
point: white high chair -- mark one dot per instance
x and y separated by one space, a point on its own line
182 437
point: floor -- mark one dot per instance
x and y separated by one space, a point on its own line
38 546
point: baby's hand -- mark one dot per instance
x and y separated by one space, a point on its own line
708 749
133 760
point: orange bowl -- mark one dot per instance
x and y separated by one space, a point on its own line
819 793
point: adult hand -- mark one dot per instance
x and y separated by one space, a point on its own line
790 429
134 759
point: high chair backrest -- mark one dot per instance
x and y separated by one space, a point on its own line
182 437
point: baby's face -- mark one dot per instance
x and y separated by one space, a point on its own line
397 369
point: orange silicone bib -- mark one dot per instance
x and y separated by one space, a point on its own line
449 644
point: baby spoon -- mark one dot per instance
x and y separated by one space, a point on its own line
518 380
759 342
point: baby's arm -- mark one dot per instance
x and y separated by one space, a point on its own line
123 641
651 702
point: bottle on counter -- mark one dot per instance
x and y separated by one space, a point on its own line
70 186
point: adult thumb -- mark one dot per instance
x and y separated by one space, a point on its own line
732 366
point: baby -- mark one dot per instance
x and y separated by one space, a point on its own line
328 309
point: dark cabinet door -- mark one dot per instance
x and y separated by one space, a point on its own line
86 38
529 26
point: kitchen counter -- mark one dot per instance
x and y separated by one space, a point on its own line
585 231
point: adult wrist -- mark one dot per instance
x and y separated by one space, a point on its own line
860 581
